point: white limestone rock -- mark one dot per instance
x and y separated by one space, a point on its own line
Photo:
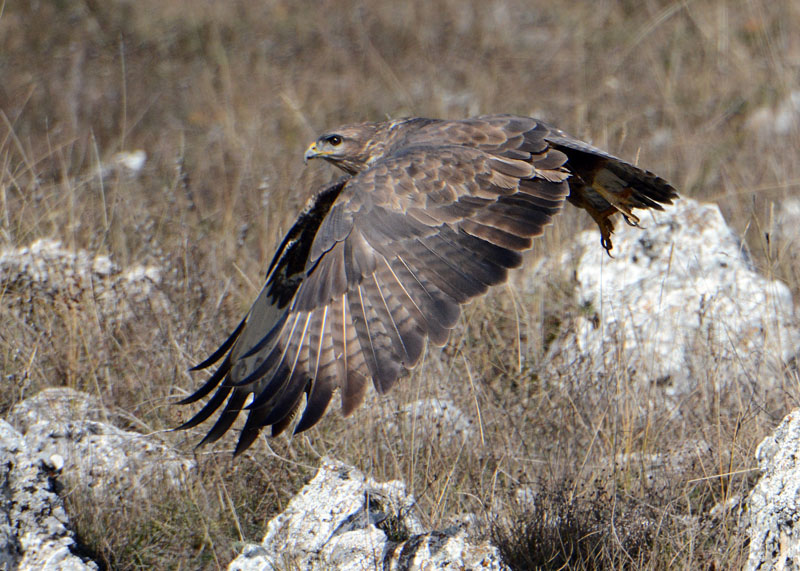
64 427
47 270
343 520
679 305
34 532
774 503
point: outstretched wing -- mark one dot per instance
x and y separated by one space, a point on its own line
376 265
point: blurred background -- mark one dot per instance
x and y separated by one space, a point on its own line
171 132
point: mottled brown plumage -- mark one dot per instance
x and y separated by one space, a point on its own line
431 214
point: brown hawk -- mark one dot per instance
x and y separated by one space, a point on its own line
430 215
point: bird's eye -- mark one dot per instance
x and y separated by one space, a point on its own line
335 140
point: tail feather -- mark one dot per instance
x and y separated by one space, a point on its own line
603 185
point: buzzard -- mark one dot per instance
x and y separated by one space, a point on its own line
430 214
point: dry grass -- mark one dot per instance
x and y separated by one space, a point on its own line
224 96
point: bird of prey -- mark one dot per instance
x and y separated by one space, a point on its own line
429 215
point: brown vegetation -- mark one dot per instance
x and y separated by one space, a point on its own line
224 96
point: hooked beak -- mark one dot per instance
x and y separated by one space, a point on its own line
312 153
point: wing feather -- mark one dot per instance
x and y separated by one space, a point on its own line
211 383
496 236
354 386
444 274
226 418
440 311
325 376
408 323
210 407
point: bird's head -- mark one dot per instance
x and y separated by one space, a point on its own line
352 148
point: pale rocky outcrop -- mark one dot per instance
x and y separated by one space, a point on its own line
67 429
773 505
344 520
34 532
63 435
679 306
47 270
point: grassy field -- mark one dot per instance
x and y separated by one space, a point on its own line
225 96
